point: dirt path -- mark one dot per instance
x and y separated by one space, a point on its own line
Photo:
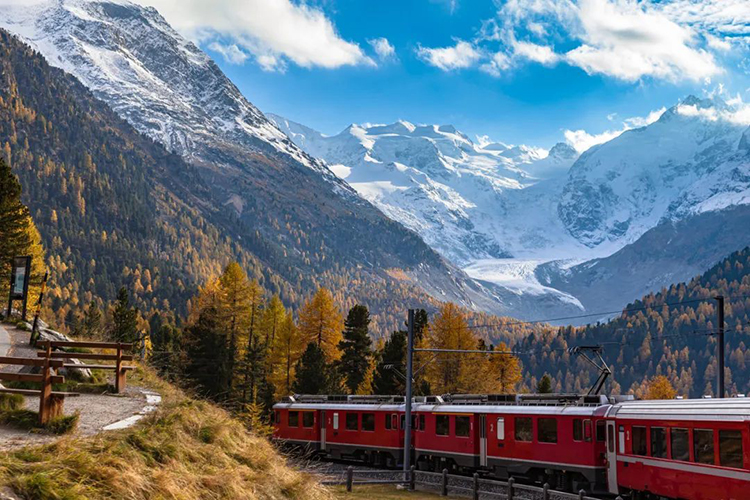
4 341
98 412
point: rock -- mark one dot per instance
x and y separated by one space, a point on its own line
80 374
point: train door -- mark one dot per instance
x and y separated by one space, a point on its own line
611 458
323 425
483 440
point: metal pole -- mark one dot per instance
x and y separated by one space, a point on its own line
349 478
35 325
720 311
409 376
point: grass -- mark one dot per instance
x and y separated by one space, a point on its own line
13 413
10 402
186 449
380 492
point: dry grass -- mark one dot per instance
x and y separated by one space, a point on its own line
187 449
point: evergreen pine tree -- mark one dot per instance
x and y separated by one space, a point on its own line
18 234
355 348
124 319
92 321
314 374
545 385
205 355
386 380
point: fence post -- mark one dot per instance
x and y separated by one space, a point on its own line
445 482
349 478
412 479
475 488
582 494
545 491
511 482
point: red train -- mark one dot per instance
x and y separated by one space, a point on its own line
681 449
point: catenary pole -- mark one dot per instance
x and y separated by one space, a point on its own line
720 313
409 380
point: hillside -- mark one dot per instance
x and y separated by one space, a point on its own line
115 208
550 229
260 191
664 333
187 449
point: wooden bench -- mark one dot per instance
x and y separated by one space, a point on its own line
118 358
50 402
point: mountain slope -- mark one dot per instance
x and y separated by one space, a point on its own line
459 196
269 197
556 231
665 333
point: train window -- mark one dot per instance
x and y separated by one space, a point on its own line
421 422
680 444
368 422
730 449
308 419
463 426
501 429
577 429
388 422
523 430
335 421
601 431
703 446
442 425
639 440
403 422
278 417
293 419
587 431
547 430
352 421
414 422
658 442
621 439
611 439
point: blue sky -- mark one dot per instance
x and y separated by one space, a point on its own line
519 71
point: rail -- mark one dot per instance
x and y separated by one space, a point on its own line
473 486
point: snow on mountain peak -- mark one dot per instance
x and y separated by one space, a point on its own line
435 180
164 85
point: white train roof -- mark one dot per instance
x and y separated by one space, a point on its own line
727 409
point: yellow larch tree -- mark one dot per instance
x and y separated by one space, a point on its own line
321 322
660 387
286 349
453 372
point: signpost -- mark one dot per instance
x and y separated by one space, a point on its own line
19 283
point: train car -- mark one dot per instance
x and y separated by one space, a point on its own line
680 449
369 429
556 439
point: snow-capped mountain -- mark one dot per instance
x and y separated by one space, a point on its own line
462 198
689 161
282 204
548 225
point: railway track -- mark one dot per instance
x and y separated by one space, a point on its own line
337 472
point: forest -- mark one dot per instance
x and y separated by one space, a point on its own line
130 260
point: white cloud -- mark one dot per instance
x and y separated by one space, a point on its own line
625 40
582 140
231 53
274 31
383 48
496 65
737 115
462 55
542 54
